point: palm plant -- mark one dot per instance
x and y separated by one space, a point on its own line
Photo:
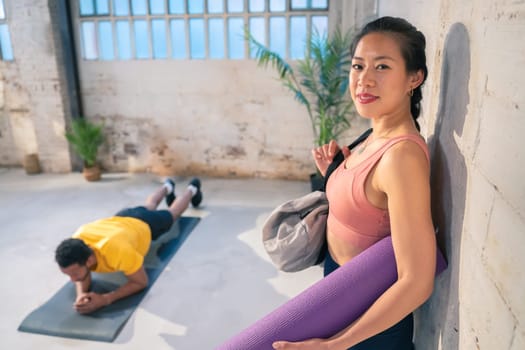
320 83
86 138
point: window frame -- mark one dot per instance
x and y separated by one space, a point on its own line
171 52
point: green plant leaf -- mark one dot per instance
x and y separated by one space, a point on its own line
320 83
85 138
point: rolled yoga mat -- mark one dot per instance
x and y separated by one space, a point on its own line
330 305
58 318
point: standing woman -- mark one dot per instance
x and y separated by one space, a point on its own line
382 187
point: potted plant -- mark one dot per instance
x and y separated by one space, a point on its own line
85 138
320 83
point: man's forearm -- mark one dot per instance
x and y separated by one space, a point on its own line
83 286
123 291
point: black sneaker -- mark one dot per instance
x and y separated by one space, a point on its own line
197 197
170 197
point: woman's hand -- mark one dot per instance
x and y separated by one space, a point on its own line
310 344
324 155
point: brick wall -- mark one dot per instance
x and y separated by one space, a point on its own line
33 110
217 118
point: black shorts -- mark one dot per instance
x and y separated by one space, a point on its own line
159 221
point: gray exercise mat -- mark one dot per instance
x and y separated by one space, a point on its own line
58 318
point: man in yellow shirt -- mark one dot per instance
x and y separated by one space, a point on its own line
120 243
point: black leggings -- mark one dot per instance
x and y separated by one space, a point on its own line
397 337
159 221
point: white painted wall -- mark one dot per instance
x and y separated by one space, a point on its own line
223 118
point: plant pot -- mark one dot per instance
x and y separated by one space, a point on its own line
31 164
316 182
92 173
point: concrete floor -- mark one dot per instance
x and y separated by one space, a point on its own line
218 283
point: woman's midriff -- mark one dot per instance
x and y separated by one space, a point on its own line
340 250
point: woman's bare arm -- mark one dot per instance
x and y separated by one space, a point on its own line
403 175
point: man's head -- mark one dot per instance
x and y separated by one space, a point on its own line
73 257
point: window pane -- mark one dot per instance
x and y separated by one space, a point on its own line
158 30
297 37
176 7
121 7
215 6
320 4
103 7
277 39
105 40
196 6
87 8
216 37
157 7
277 5
257 31
236 37
178 38
312 4
89 40
299 4
5 43
123 40
2 10
320 23
256 5
139 7
235 6
197 49
141 39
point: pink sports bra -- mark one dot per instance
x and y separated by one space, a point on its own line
351 216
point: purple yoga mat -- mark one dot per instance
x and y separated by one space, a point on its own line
329 305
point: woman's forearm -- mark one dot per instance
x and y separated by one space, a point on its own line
402 298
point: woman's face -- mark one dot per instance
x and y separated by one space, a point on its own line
379 83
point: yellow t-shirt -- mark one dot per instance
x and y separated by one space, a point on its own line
119 243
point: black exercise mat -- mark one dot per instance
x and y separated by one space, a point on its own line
58 318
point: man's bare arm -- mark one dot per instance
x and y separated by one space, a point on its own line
82 287
136 282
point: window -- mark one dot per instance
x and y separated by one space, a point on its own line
6 50
196 29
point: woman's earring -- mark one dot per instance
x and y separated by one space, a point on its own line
411 93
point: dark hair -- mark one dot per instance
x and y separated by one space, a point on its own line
412 43
72 251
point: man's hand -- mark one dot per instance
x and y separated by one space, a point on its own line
82 298
89 302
